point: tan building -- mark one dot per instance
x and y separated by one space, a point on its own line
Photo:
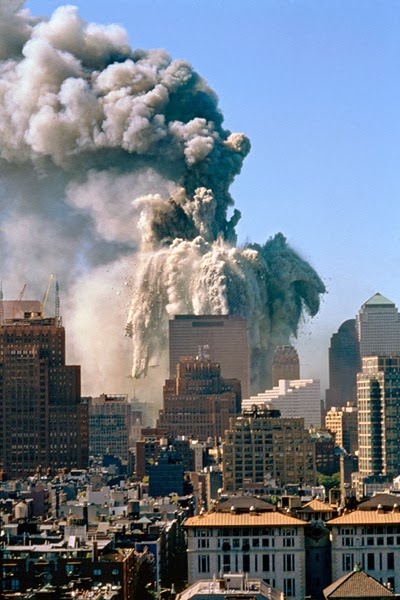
199 402
260 542
260 447
343 422
222 338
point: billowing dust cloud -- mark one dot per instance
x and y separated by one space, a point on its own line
115 171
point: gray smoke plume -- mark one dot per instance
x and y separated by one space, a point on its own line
115 171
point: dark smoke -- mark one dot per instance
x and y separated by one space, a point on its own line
115 172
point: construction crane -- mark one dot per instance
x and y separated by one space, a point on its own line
18 301
44 302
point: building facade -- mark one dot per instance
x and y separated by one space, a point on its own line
371 539
342 421
379 416
113 423
293 398
198 402
285 364
43 418
260 447
344 364
267 544
223 338
378 327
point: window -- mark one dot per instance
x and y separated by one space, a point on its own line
246 563
288 542
204 563
268 562
226 563
203 543
370 561
288 562
289 588
390 561
348 562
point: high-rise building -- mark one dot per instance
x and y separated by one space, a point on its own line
260 446
114 425
379 416
344 364
223 338
198 402
295 398
285 364
378 327
343 422
43 418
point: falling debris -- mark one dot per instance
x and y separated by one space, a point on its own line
115 171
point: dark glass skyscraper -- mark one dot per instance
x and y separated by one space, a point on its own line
344 364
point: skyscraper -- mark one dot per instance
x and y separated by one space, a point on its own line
378 327
224 339
198 402
285 364
43 418
344 364
378 388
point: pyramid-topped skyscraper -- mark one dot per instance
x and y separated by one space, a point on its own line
378 327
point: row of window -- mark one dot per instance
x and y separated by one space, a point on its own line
265 562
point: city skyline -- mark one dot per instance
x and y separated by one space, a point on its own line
311 87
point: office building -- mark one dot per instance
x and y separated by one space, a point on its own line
198 402
342 421
43 418
293 398
285 364
378 327
222 338
261 447
114 425
379 416
344 364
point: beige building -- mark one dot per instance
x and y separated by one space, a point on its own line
260 542
222 338
343 422
371 539
261 447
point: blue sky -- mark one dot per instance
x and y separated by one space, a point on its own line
314 85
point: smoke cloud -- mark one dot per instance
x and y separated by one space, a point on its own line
115 172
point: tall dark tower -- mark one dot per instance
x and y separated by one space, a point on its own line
344 364
43 419
285 365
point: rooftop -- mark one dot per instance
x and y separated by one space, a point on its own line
251 519
378 300
357 584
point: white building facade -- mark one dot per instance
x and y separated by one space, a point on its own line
293 398
267 545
